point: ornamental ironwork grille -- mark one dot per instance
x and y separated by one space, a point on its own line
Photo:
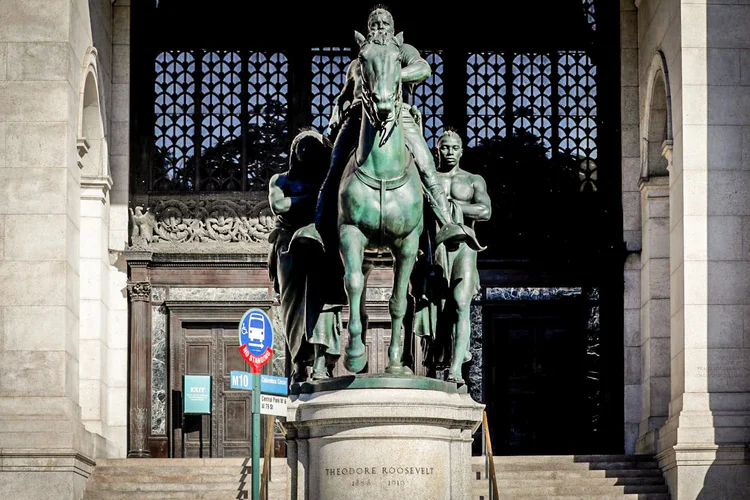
220 120
329 66
551 96
428 97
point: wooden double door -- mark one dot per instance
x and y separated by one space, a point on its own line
204 341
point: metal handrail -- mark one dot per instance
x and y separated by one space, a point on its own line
494 495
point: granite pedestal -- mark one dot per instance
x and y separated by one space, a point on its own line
384 437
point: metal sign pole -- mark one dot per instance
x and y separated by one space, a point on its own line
256 433
256 342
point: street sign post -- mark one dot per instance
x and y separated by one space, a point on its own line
269 384
256 340
273 405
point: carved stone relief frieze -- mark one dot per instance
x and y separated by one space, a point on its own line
201 223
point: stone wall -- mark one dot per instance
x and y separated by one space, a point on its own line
631 220
703 443
54 215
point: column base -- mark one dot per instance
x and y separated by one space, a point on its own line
31 475
706 472
139 454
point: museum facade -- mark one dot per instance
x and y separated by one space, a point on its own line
137 140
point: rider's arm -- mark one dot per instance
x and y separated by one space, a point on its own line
280 203
414 68
480 207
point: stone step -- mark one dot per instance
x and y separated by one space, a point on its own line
172 471
613 496
579 474
581 482
580 489
124 468
514 465
179 478
568 458
190 495
96 488
179 463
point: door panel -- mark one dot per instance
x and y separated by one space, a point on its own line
212 349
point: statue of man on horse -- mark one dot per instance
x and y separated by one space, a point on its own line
380 173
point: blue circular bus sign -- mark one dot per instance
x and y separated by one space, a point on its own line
256 338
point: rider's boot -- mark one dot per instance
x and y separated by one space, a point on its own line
320 368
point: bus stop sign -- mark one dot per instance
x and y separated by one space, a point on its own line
256 338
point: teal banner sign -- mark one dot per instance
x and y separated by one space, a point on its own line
196 399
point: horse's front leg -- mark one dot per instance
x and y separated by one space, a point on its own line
352 247
405 256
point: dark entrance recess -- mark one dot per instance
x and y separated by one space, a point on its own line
219 90
548 368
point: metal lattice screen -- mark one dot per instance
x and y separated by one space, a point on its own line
428 96
220 120
222 117
551 96
329 65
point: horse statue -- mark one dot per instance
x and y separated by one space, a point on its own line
380 199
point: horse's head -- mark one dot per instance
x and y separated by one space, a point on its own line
380 69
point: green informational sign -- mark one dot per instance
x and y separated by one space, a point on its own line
196 399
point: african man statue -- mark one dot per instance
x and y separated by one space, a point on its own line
469 202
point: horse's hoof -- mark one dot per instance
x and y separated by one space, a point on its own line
355 364
355 358
455 380
320 376
397 369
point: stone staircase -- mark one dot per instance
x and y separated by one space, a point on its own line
581 477
188 478
592 477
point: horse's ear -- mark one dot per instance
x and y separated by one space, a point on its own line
400 39
360 38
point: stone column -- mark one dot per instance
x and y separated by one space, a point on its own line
140 368
654 311
704 442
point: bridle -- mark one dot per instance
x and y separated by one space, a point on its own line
386 126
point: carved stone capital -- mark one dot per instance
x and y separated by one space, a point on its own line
139 291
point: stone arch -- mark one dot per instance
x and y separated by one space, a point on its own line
656 131
95 183
92 124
